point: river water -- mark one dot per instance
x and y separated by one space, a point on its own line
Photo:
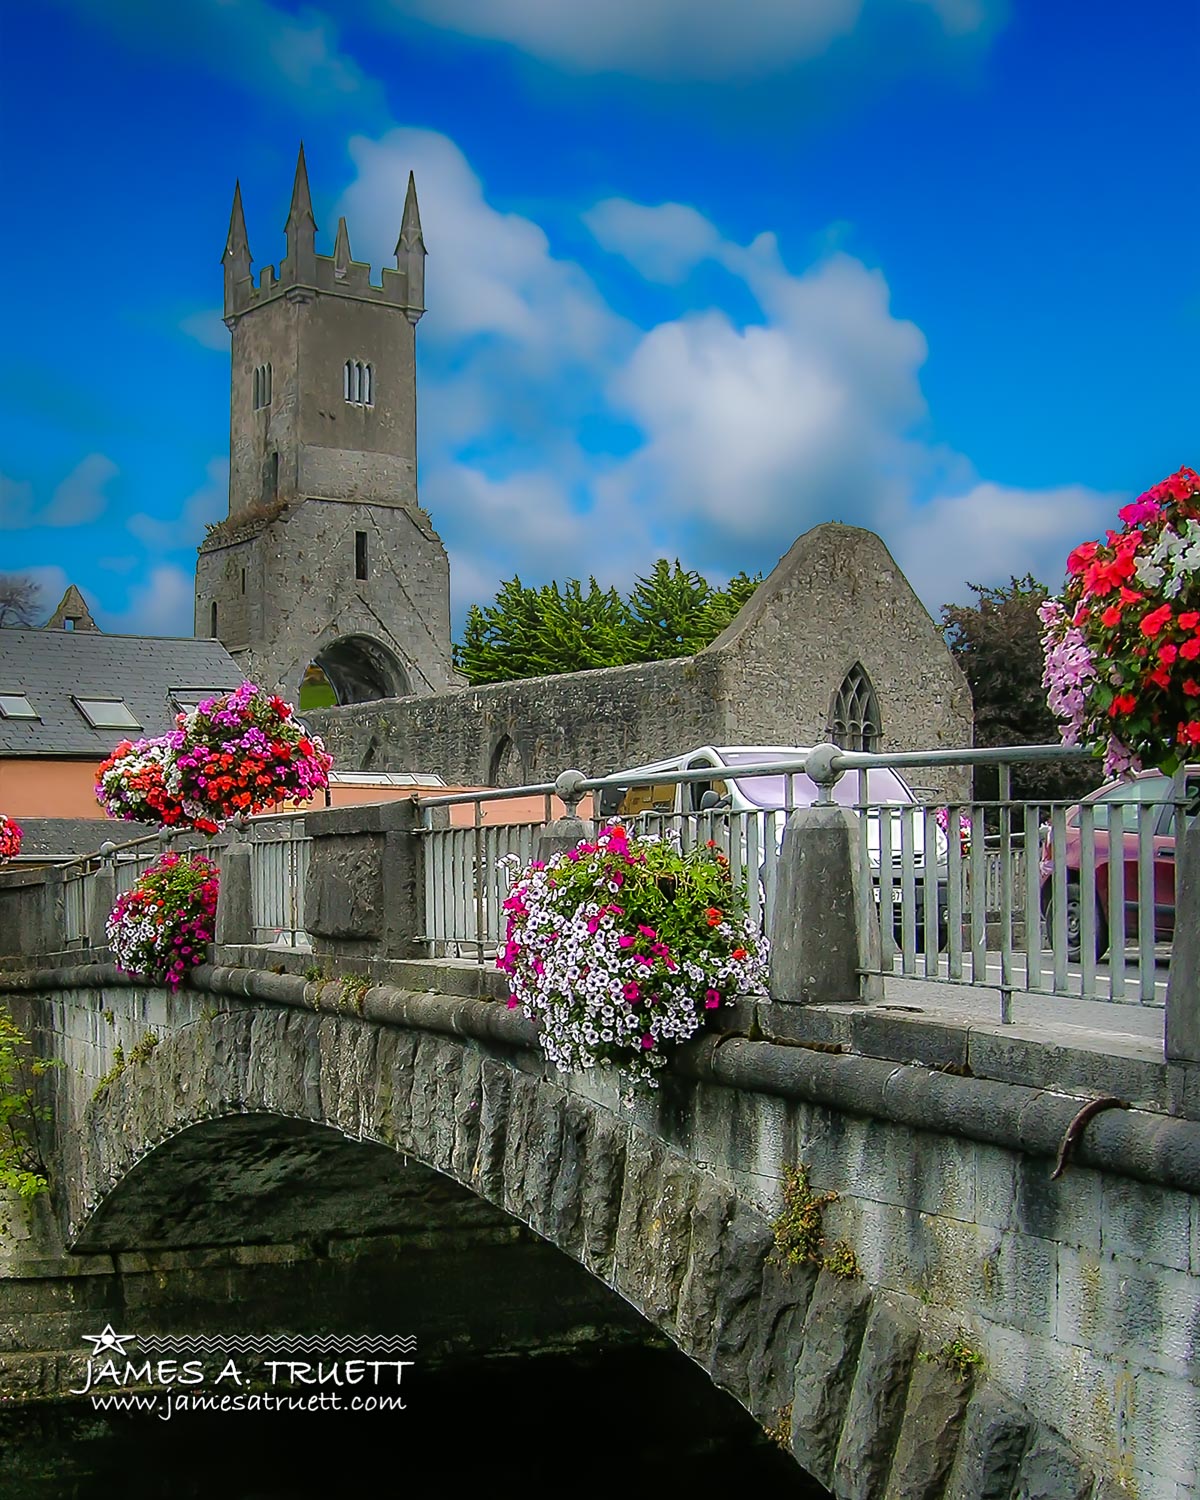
642 1421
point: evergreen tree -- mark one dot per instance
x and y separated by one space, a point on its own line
528 632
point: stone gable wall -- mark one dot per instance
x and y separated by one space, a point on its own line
836 598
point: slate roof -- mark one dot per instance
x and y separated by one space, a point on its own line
49 666
53 840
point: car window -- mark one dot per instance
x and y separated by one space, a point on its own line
639 799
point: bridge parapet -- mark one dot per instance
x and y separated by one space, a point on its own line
1079 1292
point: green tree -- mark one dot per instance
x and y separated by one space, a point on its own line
535 632
997 641
530 632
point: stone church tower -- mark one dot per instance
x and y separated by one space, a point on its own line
325 555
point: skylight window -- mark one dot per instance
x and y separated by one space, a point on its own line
17 706
191 697
107 713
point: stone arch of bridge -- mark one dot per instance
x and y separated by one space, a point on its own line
267 1090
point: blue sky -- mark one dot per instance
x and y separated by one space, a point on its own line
700 276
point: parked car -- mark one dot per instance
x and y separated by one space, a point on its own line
738 794
1116 803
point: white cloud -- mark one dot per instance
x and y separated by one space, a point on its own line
208 329
162 605
760 432
991 533
52 582
490 273
186 529
664 243
16 503
80 497
77 499
526 525
699 39
266 48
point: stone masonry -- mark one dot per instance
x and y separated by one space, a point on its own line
836 600
325 555
1078 1296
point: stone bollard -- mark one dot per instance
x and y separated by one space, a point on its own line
102 897
235 896
565 832
1183 979
365 891
820 941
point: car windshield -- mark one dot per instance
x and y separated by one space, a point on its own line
882 786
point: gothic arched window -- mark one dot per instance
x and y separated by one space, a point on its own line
262 386
854 716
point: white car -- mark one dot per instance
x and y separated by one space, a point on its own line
728 792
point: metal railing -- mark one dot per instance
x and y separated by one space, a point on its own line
1033 905
279 855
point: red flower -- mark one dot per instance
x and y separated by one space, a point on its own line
1190 650
1111 616
1082 555
1156 619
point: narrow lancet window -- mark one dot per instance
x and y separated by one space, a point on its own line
358 383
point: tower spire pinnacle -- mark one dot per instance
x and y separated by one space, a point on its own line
410 224
236 256
301 208
341 251
301 229
410 254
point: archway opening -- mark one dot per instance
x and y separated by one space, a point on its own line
315 1243
506 765
353 669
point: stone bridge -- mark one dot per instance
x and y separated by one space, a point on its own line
275 1110
1001 1295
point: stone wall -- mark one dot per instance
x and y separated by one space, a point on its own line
835 600
1072 1300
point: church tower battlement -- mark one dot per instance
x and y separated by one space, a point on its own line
325 555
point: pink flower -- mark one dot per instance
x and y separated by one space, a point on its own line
712 998
647 1042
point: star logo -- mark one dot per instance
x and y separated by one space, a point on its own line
108 1342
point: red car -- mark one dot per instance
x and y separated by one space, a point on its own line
1116 802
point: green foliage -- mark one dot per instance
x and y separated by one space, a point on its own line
998 644
22 1169
538 632
118 1067
353 988
138 1053
798 1228
842 1261
959 1355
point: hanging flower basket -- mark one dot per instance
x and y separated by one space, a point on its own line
243 753
621 947
1122 642
132 784
161 927
10 839
239 753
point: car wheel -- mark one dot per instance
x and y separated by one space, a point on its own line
1075 924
